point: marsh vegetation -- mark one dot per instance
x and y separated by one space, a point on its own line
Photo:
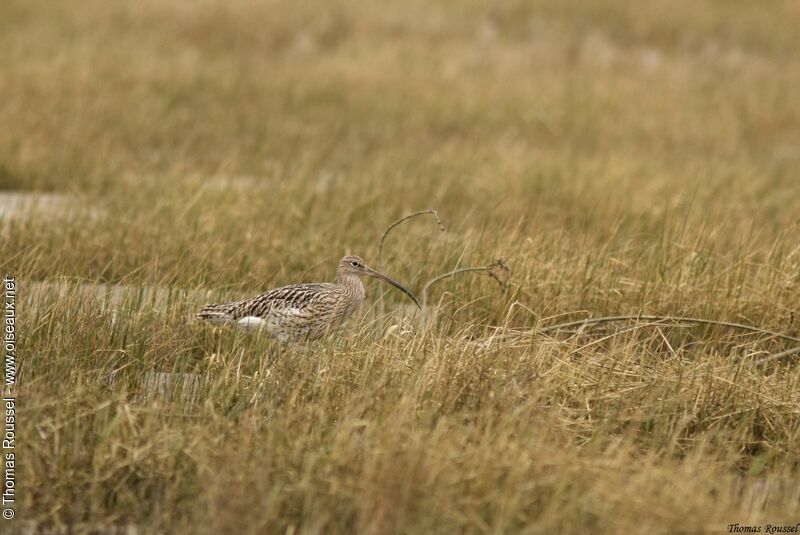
622 158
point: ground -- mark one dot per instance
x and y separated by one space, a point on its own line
621 157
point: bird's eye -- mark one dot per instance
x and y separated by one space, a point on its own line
354 263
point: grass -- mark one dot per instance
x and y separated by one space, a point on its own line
622 159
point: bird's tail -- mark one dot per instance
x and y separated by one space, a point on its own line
217 313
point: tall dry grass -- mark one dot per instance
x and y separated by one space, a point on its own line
622 159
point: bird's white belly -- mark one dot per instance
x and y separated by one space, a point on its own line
251 323
293 324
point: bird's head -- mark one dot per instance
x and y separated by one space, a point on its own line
355 266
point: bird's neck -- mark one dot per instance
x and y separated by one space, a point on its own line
353 284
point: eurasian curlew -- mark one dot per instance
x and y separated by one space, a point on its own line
302 311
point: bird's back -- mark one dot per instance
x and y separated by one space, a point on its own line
297 311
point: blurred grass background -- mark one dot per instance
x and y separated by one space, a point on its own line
622 158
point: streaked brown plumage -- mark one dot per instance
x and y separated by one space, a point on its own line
302 311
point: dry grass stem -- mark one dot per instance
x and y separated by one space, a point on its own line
391 227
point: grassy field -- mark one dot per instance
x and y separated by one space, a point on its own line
621 159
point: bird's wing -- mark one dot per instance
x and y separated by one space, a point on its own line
297 297
218 312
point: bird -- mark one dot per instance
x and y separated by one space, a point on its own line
302 312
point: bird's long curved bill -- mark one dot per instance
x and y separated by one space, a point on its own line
394 283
